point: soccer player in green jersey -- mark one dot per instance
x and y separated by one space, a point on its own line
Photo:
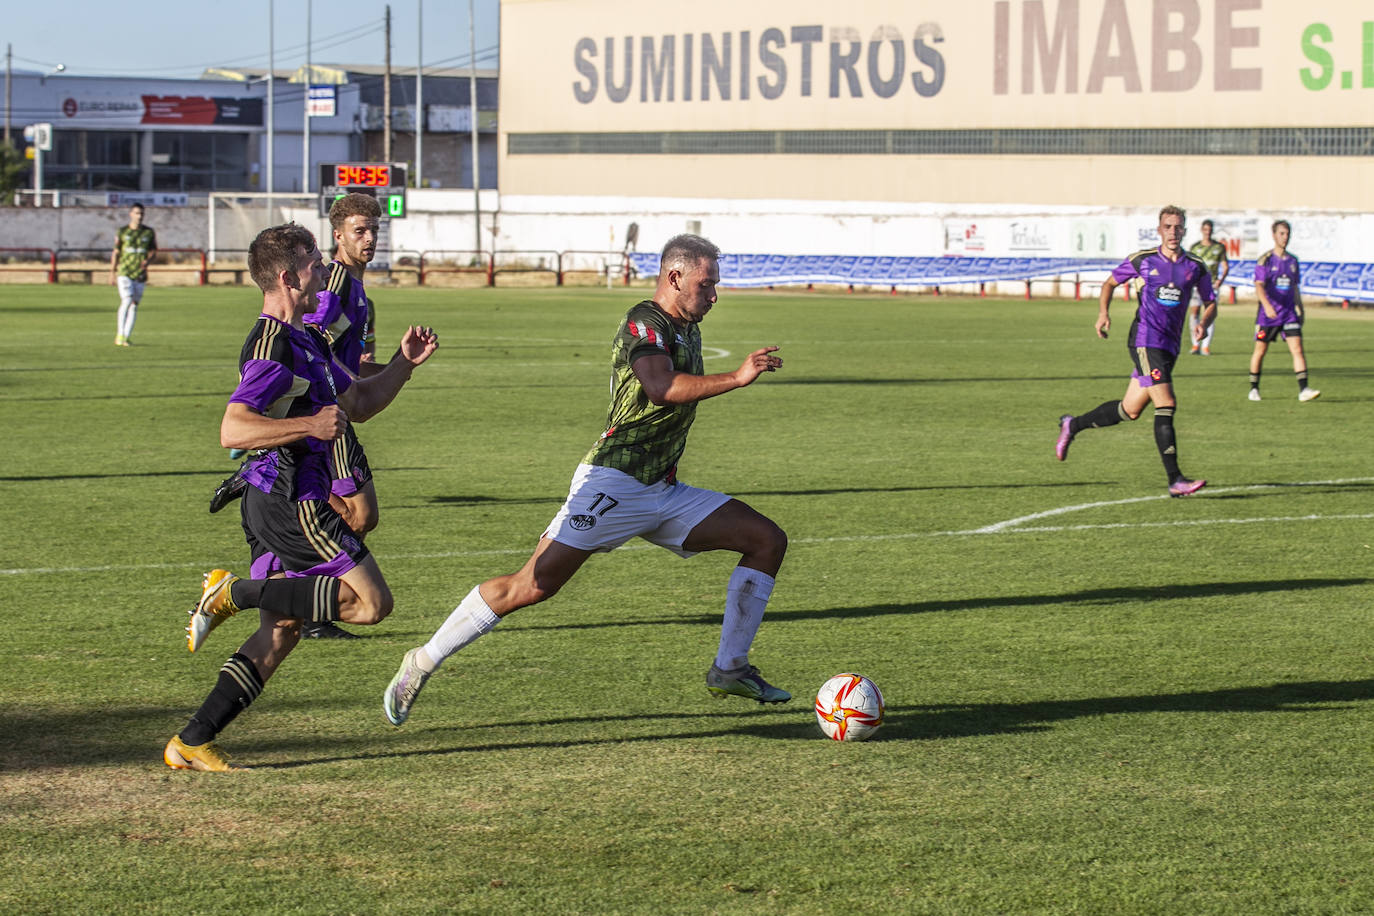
1213 254
626 486
134 248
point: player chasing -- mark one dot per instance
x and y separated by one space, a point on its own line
1168 277
134 248
345 319
293 402
1280 314
1213 254
627 486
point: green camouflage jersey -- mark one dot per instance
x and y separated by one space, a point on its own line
133 245
1211 255
641 439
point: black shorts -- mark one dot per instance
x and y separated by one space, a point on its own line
306 538
1152 366
349 471
1272 332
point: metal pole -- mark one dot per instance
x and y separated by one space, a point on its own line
309 81
386 93
9 53
420 100
271 100
472 101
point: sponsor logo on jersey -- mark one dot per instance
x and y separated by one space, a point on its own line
1169 295
582 522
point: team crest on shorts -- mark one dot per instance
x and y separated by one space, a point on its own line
1156 374
582 522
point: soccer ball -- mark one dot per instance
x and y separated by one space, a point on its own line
849 707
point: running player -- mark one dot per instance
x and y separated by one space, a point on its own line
1280 313
134 248
627 486
1169 277
1213 254
293 400
344 317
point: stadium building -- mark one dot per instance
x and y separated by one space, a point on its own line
885 127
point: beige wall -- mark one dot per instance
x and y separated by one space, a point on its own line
1233 183
818 65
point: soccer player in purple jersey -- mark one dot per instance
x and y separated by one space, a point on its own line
1280 312
1168 278
344 317
292 402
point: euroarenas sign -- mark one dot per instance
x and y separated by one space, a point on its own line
602 65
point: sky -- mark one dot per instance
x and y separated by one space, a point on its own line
157 38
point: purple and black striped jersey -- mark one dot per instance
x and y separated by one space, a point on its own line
1280 276
1166 290
344 316
285 372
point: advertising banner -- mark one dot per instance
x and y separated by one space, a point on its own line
602 65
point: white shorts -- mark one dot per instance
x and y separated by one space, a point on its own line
606 507
130 290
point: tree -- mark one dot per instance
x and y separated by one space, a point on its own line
13 165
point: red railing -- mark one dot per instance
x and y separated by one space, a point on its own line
45 254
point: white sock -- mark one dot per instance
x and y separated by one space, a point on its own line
745 599
128 313
470 619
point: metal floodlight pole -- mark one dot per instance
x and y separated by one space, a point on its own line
420 98
9 98
472 101
271 100
309 81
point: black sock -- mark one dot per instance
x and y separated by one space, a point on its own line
309 598
1254 381
1108 413
1302 379
239 685
1164 440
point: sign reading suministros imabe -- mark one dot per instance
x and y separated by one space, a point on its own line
603 66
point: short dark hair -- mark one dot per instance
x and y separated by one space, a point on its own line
353 204
1280 222
277 248
1208 224
683 252
136 207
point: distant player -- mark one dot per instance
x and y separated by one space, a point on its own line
1168 278
627 486
134 248
1213 254
293 401
1278 284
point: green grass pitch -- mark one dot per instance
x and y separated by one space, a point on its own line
1100 700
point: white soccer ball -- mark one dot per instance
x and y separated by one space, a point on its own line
849 707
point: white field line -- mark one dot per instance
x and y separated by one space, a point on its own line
1010 526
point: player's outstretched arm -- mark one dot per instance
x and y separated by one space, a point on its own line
665 385
370 395
1104 304
244 427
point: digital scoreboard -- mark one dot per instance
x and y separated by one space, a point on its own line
384 180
